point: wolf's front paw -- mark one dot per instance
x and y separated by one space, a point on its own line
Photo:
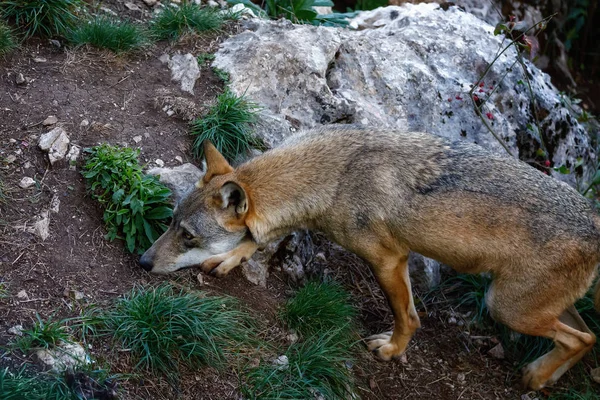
383 347
531 377
219 267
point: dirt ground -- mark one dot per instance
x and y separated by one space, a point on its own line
116 96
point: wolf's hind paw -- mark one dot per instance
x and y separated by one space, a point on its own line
382 346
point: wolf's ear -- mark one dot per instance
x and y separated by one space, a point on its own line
216 164
234 196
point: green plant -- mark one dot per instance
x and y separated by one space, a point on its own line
7 41
298 11
316 366
171 23
573 394
162 325
319 307
44 334
204 58
135 204
41 17
71 385
227 125
3 291
107 33
222 75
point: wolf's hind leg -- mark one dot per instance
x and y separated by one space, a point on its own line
532 315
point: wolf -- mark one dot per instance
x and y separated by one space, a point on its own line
382 193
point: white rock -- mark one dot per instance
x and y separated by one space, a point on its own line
55 204
159 162
72 156
137 138
22 295
20 79
41 227
27 165
212 3
132 7
11 140
282 362
11 159
181 179
26 182
66 355
39 60
56 143
51 120
178 158
184 69
164 58
242 9
16 330
84 123
147 135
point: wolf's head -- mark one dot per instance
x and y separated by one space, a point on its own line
208 222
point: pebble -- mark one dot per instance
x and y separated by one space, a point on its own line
51 120
26 182
16 330
11 159
39 60
22 295
137 138
20 79
159 162
84 123
150 3
178 158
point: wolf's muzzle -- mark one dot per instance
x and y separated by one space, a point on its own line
146 262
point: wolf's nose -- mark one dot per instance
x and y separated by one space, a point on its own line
146 262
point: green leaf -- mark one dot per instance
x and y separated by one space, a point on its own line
130 240
562 169
162 212
500 28
116 197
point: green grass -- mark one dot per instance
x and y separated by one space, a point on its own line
319 307
72 385
45 18
322 314
44 334
163 327
222 75
7 40
228 125
3 291
111 34
573 394
316 365
135 205
204 58
171 23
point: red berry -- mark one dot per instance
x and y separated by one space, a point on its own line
489 115
475 97
481 84
547 163
449 98
458 97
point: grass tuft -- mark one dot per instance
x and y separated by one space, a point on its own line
162 325
41 17
228 126
319 307
317 366
111 34
7 41
44 334
173 22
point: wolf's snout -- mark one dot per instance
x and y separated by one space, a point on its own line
146 262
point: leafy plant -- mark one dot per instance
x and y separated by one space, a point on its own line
135 205
107 33
204 58
228 126
44 334
7 41
171 23
41 17
319 307
162 325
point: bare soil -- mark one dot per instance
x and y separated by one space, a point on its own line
116 95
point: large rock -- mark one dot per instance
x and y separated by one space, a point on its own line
408 67
56 143
185 70
181 179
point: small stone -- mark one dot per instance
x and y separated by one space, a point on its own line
178 158
56 142
39 60
72 156
596 375
26 182
20 79
16 330
11 159
27 165
200 278
11 140
164 58
109 11
212 3
22 295
55 103
170 113
55 43
159 162
147 135
282 362
77 295
452 321
137 138
84 123
55 204
64 356
51 120
460 377
497 351
150 3
42 227
132 7
292 337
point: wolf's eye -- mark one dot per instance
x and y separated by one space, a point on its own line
187 236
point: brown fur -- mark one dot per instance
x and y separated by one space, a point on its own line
381 194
